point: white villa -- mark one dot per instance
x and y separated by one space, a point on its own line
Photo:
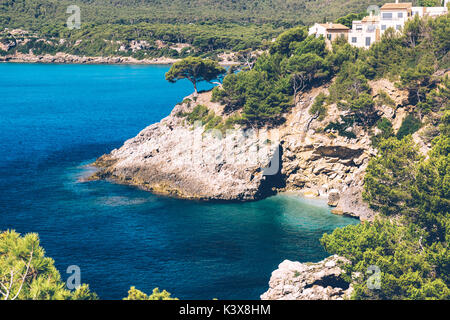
365 32
371 28
329 31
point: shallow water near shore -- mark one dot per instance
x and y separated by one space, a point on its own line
56 119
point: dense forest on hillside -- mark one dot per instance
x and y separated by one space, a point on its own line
155 28
34 13
109 27
296 62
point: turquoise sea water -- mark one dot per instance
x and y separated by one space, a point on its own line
54 119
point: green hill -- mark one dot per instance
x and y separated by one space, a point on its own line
210 27
34 13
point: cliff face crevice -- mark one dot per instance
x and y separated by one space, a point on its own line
338 152
273 177
331 280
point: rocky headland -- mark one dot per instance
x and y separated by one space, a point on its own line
178 159
181 159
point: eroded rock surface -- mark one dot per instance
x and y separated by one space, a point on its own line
309 281
175 158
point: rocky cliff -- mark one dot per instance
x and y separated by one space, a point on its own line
175 158
182 159
309 281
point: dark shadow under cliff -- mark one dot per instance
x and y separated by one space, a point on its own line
273 178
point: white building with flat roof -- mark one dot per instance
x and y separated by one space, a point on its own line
392 15
369 30
330 31
429 11
365 32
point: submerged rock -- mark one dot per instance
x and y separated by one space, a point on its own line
309 281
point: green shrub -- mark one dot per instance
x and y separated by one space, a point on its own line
342 126
27 274
386 131
409 125
135 294
319 107
209 119
384 99
199 113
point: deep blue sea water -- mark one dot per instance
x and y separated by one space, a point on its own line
55 119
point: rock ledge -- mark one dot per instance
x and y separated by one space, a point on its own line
309 281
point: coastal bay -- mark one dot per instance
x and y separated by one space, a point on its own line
56 119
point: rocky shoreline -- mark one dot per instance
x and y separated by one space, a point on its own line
309 281
175 158
64 58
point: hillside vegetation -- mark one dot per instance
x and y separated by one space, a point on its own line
410 190
143 40
202 27
409 240
26 273
109 28
26 13
296 62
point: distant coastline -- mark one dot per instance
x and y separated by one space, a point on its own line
64 58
